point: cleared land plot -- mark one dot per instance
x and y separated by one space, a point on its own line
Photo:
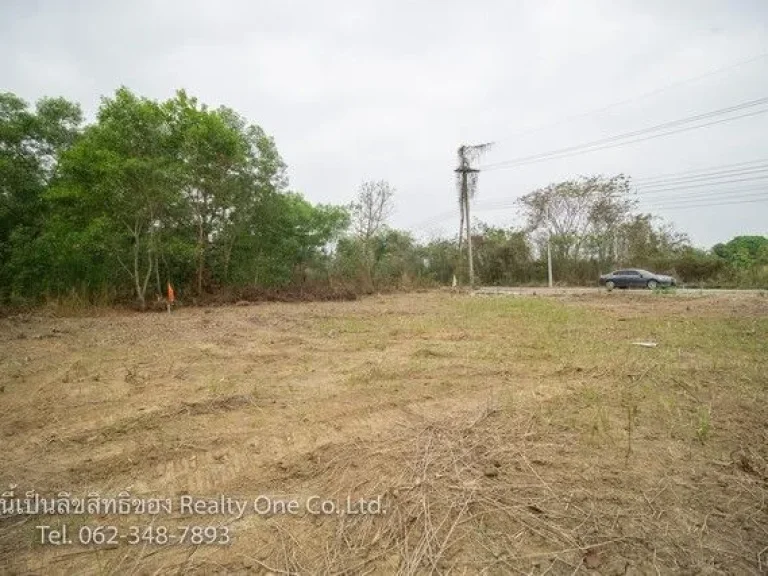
521 435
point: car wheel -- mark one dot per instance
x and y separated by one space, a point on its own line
610 285
652 284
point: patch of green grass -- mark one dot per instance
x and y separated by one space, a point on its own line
704 424
431 353
610 389
590 395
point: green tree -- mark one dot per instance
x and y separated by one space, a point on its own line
118 185
152 190
231 170
369 213
643 242
286 241
440 257
503 256
214 159
398 261
580 218
30 141
744 251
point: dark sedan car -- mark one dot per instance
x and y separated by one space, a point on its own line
635 278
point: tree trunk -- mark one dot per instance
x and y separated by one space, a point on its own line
147 277
372 272
157 278
228 259
137 283
136 251
200 256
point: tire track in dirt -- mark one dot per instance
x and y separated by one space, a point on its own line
276 451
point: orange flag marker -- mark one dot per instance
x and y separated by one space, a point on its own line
171 297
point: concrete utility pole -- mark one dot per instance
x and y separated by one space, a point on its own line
464 170
467 184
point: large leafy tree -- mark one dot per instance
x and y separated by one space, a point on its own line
503 256
642 241
580 219
287 240
398 259
155 190
118 189
744 251
151 190
370 211
214 182
30 141
439 258
230 171
179 190
581 215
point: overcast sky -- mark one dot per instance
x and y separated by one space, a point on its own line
355 90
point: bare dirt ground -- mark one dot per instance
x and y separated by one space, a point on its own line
503 435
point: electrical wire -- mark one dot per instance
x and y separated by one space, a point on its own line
693 200
713 177
723 168
696 193
698 184
607 107
706 197
683 186
686 206
707 205
681 202
632 137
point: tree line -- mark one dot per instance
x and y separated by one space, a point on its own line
152 192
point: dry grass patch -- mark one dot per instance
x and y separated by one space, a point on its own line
503 435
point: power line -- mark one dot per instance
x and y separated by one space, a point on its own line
695 184
697 193
694 198
616 145
718 169
508 203
662 126
615 140
706 205
504 203
435 219
713 176
682 202
513 202
638 97
691 203
676 126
